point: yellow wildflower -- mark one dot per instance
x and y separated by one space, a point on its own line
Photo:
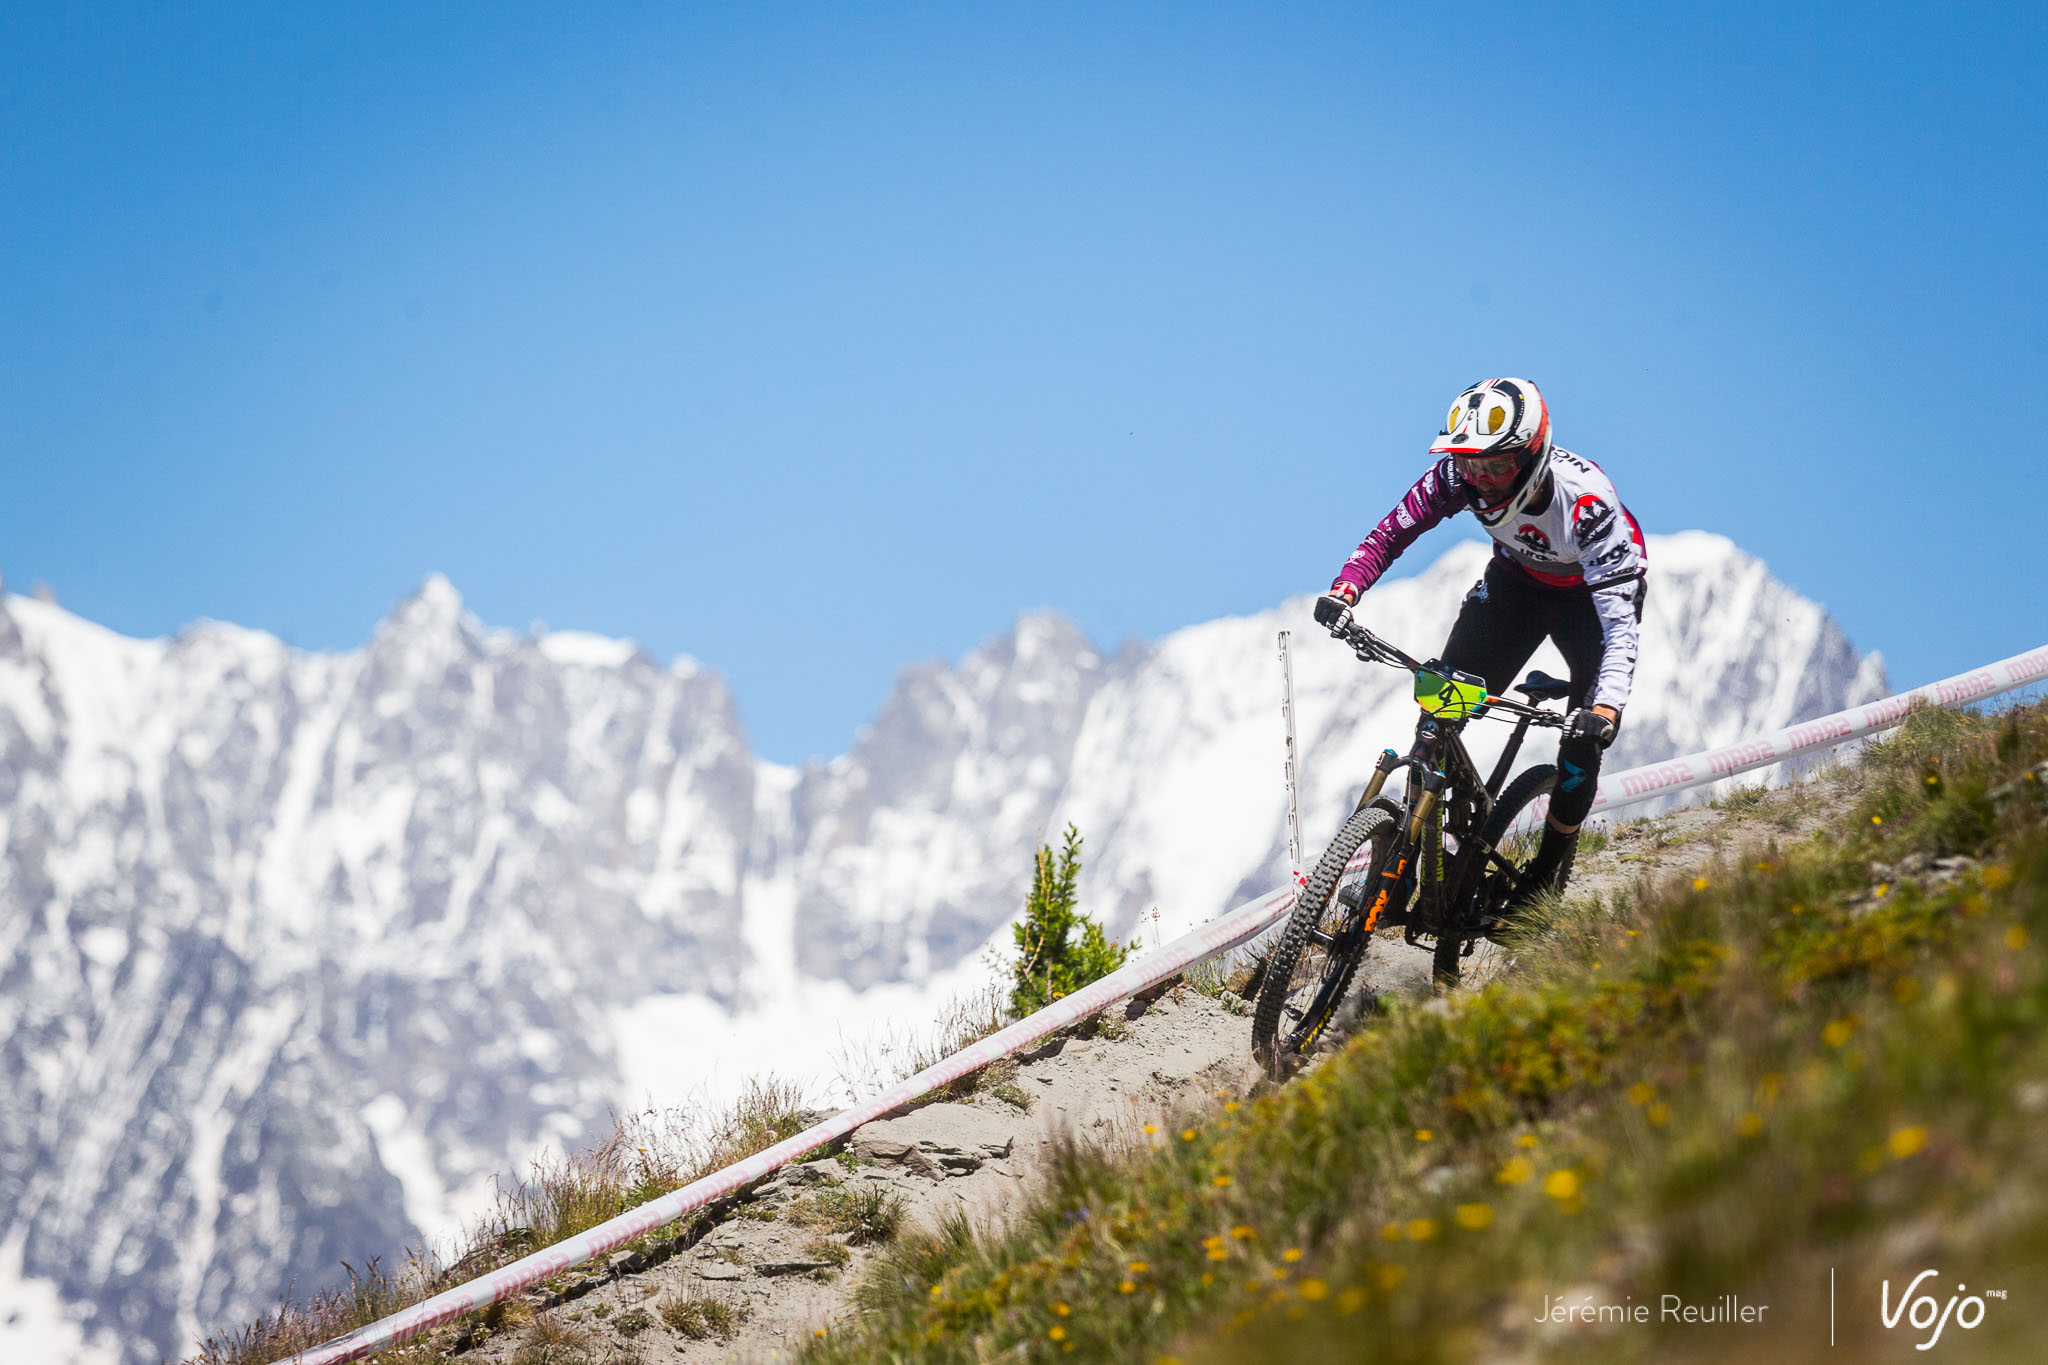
1517 1171
1314 1290
1904 1142
1475 1216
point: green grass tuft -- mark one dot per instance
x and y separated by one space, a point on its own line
861 1215
700 1317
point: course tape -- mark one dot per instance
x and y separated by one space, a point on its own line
1711 765
1225 932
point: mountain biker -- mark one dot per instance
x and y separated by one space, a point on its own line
1568 563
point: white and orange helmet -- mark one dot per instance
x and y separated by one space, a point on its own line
1498 432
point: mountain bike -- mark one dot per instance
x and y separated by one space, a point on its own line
1438 862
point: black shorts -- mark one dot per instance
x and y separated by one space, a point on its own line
1506 618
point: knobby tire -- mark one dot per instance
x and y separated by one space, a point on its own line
1268 1044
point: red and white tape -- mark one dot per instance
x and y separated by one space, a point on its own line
1809 736
1219 935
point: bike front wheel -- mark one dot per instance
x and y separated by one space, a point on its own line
1318 952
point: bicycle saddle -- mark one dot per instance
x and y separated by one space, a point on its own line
1540 686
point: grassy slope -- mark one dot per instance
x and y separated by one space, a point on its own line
647 1155
1814 1056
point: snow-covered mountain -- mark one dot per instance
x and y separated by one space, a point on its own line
297 950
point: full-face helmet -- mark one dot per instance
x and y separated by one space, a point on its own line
1498 432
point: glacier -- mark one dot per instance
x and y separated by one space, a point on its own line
300 950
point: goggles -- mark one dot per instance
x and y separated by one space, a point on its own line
1489 471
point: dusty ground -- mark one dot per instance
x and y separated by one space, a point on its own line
775 1274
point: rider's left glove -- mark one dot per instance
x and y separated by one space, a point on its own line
1586 723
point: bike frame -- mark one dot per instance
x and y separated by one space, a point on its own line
1441 773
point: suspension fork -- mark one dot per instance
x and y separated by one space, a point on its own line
1388 761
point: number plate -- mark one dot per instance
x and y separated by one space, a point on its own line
1452 695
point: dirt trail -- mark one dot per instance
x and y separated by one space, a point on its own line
772 1267
784 1277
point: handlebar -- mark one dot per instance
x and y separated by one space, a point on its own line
1372 649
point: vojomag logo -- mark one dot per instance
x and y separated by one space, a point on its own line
1922 1313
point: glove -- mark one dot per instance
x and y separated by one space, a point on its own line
1333 608
1588 724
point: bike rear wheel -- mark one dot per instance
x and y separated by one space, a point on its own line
1318 952
1498 882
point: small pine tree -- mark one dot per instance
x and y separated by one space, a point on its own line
1052 958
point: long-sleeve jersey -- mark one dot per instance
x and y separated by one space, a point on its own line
1580 539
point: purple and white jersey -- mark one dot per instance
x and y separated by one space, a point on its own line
1579 539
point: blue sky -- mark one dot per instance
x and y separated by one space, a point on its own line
814 340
